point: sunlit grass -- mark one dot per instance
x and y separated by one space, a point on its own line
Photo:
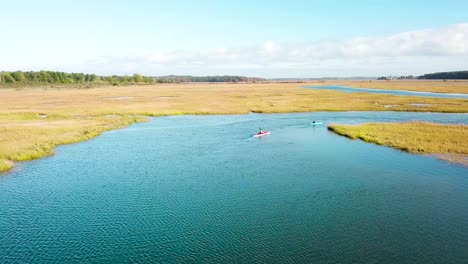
158 100
5 165
416 137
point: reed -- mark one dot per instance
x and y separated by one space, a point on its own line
5 165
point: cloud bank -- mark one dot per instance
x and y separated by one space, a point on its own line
413 52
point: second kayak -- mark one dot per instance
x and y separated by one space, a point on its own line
316 123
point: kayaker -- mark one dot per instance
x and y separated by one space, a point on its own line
260 130
313 122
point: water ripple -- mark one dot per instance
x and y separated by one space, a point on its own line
200 189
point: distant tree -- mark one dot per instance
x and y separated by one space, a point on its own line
114 80
55 77
93 78
44 76
148 79
78 77
67 78
108 79
446 75
7 78
18 76
137 78
128 79
31 76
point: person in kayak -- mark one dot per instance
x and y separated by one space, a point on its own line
260 131
313 122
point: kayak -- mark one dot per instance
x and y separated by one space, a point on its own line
262 134
316 123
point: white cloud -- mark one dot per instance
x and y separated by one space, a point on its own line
412 52
269 49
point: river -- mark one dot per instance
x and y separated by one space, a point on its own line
392 92
201 189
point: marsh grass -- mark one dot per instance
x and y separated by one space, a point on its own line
157 100
442 140
34 121
5 165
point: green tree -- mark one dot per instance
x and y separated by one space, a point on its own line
32 76
18 76
148 79
7 78
93 78
56 77
137 78
78 77
44 76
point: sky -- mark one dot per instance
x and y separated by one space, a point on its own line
271 39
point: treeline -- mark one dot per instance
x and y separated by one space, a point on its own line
20 78
403 77
455 75
222 78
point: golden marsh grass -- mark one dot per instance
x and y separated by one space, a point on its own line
446 141
209 99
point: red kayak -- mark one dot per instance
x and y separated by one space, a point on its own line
262 134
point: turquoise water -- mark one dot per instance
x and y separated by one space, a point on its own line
201 189
383 91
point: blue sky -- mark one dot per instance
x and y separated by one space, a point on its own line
255 38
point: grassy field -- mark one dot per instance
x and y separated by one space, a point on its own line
34 120
436 86
448 142
209 99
